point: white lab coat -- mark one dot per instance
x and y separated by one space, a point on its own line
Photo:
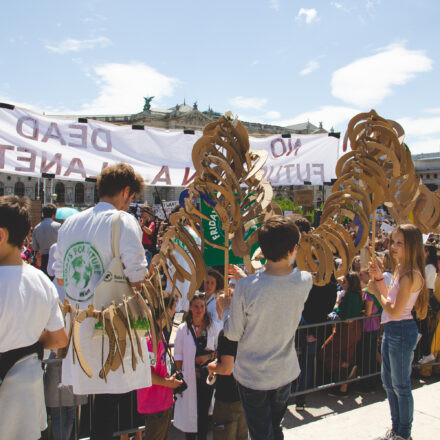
185 410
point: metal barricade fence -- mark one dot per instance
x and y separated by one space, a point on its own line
330 354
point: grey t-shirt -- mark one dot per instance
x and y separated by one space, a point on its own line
45 235
263 318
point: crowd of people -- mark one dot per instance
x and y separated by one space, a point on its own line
235 359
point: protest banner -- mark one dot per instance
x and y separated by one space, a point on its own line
32 144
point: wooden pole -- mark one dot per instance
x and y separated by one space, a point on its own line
226 268
373 236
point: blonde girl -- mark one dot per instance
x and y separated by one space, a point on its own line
407 291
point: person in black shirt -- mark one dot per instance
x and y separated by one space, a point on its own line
228 417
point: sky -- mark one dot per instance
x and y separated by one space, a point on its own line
269 61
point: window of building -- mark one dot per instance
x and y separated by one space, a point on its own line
2 189
79 194
19 189
59 191
427 176
435 176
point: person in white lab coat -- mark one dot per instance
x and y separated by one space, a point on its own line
194 348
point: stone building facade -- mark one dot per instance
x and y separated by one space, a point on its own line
428 167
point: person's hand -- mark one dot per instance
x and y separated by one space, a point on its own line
372 288
172 382
235 272
211 368
224 302
375 270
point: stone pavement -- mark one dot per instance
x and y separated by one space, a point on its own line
360 417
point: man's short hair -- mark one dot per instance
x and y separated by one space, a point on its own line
277 237
15 217
115 178
49 210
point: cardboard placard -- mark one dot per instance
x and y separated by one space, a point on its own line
303 197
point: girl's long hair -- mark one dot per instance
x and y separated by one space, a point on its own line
414 261
354 283
188 318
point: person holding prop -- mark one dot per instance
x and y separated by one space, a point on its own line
407 290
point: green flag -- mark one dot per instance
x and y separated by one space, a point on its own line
213 232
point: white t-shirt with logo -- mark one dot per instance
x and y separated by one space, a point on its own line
28 305
82 255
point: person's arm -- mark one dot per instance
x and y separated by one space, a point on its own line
55 339
131 249
380 291
167 382
224 367
233 313
368 308
149 230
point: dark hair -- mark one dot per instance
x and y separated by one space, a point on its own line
49 210
432 255
115 178
354 283
15 217
277 237
168 301
188 318
303 224
219 284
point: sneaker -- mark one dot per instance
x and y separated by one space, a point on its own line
300 407
427 359
399 437
389 435
338 393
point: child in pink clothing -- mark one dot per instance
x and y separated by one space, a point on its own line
156 402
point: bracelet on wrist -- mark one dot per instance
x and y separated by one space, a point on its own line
380 279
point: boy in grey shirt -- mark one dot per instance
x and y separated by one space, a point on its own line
263 317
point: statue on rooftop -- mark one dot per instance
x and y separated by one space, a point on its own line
147 105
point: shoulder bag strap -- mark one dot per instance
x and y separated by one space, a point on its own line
116 234
193 334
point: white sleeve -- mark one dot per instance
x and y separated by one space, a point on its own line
55 321
57 265
178 343
430 274
51 260
131 249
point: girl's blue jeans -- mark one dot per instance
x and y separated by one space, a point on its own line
398 344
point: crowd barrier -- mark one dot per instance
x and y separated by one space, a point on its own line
330 354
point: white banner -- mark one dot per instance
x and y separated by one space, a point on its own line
32 144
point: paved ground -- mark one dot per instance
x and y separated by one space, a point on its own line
360 417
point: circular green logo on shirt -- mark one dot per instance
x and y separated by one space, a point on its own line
82 269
